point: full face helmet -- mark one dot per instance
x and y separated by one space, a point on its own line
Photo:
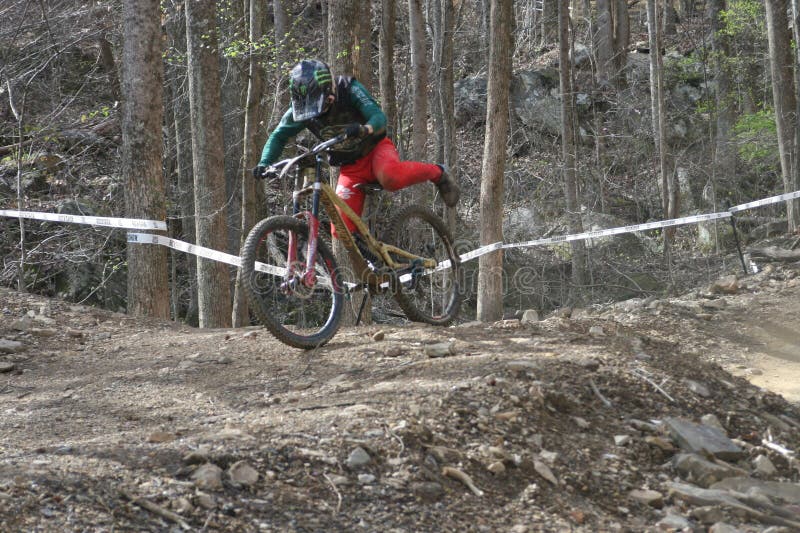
310 83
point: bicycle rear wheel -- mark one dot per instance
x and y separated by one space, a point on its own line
299 313
431 296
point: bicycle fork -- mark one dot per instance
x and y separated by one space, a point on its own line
308 274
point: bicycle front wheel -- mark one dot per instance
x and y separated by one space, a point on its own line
301 309
431 296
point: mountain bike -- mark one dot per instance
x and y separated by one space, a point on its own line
293 284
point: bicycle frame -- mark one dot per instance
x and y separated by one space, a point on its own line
323 195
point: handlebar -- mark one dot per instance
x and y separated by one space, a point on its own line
282 167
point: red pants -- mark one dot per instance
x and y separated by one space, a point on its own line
383 165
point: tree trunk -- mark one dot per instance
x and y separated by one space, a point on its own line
348 47
419 80
794 206
485 10
549 21
611 42
668 190
490 273
184 188
343 58
250 157
670 20
213 277
142 151
781 68
604 43
447 101
19 113
388 90
436 29
282 35
233 87
362 47
622 38
724 160
569 147
282 32
109 65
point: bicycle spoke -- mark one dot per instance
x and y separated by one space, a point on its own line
426 294
297 309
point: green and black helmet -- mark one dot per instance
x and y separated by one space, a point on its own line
310 84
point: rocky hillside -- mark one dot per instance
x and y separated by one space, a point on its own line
637 416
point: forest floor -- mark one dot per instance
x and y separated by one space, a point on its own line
114 423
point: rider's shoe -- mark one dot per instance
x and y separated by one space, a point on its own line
448 188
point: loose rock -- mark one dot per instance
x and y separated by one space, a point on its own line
366 479
428 491
698 470
697 388
703 439
622 440
440 349
648 497
206 501
161 436
660 443
358 458
544 471
597 331
9 346
241 473
393 351
496 468
673 522
764 466
196 457
208 476
712 421
726 285
774 490
708 514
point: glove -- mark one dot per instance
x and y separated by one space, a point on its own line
258 172
355 130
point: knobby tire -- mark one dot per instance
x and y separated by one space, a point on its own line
276 308
419 230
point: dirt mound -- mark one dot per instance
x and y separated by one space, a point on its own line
568 423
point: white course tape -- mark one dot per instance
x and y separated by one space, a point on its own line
111 222
200 251
175 244
483 250
623 229
765 201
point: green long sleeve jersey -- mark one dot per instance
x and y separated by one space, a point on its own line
353 104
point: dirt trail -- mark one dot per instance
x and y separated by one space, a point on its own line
770 332
228 430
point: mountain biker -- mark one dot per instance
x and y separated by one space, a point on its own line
328 106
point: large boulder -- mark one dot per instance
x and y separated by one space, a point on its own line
623 245
713 234
470 101
519 224
535 100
